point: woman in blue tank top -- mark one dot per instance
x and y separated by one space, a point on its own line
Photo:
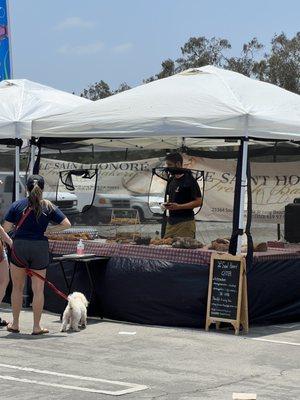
30 247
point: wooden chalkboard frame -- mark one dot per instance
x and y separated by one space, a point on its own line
242 300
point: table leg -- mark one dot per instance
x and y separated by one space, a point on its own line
64 274
72 279
68 285
91 281
93 291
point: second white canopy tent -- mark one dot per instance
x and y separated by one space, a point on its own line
22 101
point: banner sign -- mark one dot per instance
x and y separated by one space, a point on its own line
274 185
5 68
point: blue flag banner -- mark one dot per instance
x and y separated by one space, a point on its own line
5 69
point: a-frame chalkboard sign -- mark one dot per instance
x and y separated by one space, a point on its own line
227 292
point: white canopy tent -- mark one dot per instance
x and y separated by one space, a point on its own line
204 102
22 101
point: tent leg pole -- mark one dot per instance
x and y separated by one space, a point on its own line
17 174
32 158
245 143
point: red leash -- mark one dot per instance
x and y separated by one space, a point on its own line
24 216
31 273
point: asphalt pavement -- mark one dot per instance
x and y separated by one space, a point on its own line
147 362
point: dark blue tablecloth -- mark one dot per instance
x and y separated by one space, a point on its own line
172 294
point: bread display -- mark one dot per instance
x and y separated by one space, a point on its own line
220 244
143 241
187 243
121 218
70 237
261 247
124 221
123 241
124 238
162 242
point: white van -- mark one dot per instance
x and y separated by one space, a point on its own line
103 205
67 202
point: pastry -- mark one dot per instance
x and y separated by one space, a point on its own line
261 247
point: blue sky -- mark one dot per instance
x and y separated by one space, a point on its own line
69 44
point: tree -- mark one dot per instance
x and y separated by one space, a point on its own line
200 51
124 86
98 90
282 66
167 69
247 64
196 52
101 89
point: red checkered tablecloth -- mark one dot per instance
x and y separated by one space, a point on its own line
197 256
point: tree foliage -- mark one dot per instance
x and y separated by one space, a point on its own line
124 86
98 90
101 89
200 51
247 63
167 69
280 66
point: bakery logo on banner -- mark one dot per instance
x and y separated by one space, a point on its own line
274 185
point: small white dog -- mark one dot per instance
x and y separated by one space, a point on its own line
75 314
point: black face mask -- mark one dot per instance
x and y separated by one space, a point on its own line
175 170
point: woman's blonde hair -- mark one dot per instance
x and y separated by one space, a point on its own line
35 186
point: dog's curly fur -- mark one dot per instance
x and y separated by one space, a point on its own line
75 314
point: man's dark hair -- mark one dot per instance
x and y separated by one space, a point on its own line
175 158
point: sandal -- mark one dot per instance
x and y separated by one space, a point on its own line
3 322
41 332
12 330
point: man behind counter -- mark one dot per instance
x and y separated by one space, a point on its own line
182 196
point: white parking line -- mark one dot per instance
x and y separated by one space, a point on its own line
131 387
286 326
275 341
244 396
